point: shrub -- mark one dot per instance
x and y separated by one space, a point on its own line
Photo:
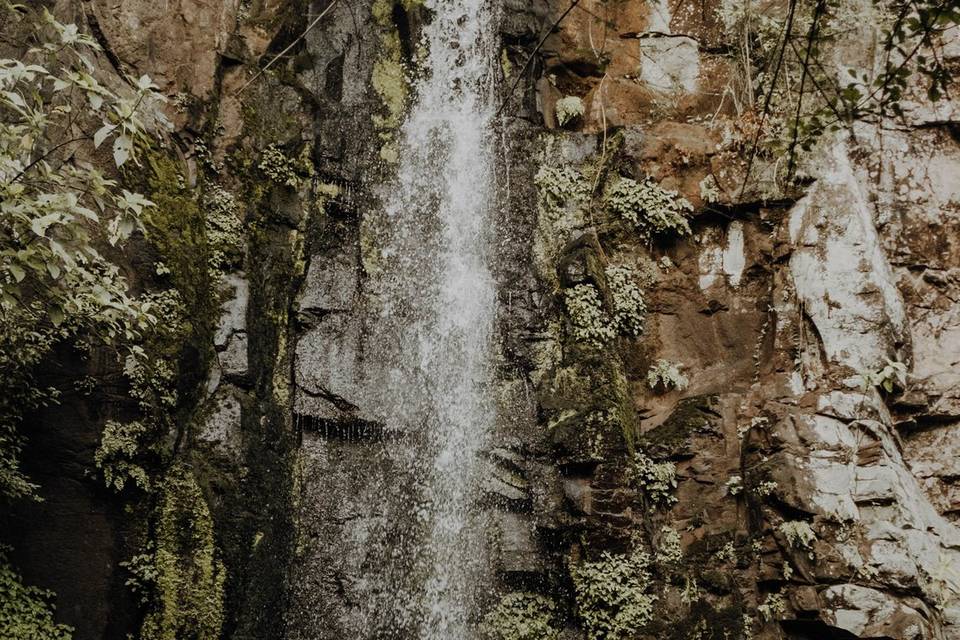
652 209
612 598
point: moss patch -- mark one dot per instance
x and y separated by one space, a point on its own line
188 574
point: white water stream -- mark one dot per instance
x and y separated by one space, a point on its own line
439 297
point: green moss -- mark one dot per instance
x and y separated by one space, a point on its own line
188 575
25 611
589 406
389 80
177 229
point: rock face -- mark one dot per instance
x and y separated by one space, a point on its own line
800 482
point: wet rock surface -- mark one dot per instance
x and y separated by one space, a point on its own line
774 307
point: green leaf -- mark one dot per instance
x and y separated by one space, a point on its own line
122 148
56 315
54 269
40 225
18 273
102 134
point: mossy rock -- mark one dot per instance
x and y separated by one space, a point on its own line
703 620
189 575
673 438
582 262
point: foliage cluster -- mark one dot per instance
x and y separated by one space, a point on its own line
282 169
25 611
888 377
521 616
593 323
560 187
612 595
798 533
669 550
59 213
666 374
657 480
649 207
568 109
629 308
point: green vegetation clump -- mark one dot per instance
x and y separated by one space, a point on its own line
568 109
892 375
611 595
666 374
591 323
773 607
120 446
224 227
25 611
521 616
650 208
656 480
629 308
281 169
559 187
181 572
669 550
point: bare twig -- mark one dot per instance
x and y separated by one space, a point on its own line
533 54
811 38
788 29
288 47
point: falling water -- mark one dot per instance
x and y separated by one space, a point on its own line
438 305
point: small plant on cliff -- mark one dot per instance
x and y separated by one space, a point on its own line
284 170
224 228
667 375
669 550
521 616
591 322
559 187
628 305
773 607
657 480
611 593
652 209
569 109
799 534
116 456
892 375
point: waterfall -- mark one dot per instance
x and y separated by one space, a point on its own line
438 302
